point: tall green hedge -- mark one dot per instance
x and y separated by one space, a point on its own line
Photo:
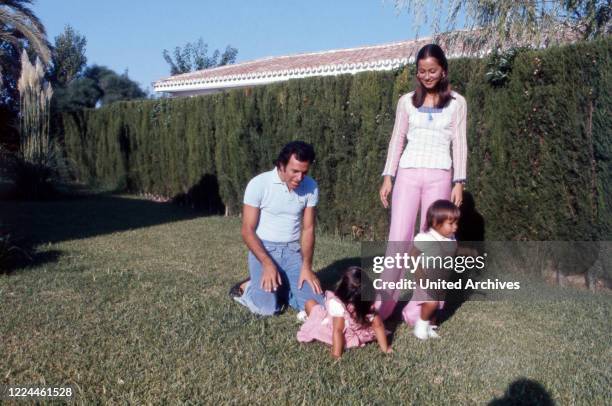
540 150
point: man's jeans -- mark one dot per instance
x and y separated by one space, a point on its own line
288 260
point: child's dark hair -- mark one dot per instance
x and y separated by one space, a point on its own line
303 152
349 291
439 212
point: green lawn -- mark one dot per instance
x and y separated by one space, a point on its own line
127 302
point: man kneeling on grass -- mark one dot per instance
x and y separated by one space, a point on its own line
278 222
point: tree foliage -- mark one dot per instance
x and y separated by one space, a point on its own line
35 99
593 16
194 56
9 70
79 86
68 56
506 24
113 86
97 86
20 29
39 163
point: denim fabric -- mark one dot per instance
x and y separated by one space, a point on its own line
288 260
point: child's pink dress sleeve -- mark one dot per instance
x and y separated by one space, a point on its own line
335 308
398 137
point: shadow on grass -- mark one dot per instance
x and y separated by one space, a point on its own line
23 263
470 236
524 392
20 255
331 274
203 196
88 216
455 298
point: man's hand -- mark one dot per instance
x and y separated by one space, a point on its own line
270 279
310 277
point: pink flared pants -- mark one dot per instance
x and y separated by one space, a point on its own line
414 189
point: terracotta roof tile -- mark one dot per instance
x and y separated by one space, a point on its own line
369 55
267 70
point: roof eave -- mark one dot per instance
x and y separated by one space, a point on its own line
263 78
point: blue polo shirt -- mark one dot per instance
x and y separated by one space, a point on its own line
281 209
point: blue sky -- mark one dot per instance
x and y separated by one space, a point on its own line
131 34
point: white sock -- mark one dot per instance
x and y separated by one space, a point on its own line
302 316
431 331
421 328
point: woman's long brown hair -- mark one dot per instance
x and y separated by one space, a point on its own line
443 86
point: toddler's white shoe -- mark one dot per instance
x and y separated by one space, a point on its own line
431 332
421 329
302 316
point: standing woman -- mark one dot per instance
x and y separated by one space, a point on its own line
429 146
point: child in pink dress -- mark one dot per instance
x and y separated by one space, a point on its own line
346 320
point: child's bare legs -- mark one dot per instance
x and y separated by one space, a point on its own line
424 329
309 305
428 311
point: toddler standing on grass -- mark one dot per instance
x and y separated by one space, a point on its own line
438 240
346 320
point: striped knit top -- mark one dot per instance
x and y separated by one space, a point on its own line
425 137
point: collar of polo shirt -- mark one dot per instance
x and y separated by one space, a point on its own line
277 179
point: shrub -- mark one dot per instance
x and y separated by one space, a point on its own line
10 253
540 153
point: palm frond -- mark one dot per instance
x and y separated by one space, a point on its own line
19 5
17 21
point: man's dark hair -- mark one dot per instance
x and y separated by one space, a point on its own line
303 152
